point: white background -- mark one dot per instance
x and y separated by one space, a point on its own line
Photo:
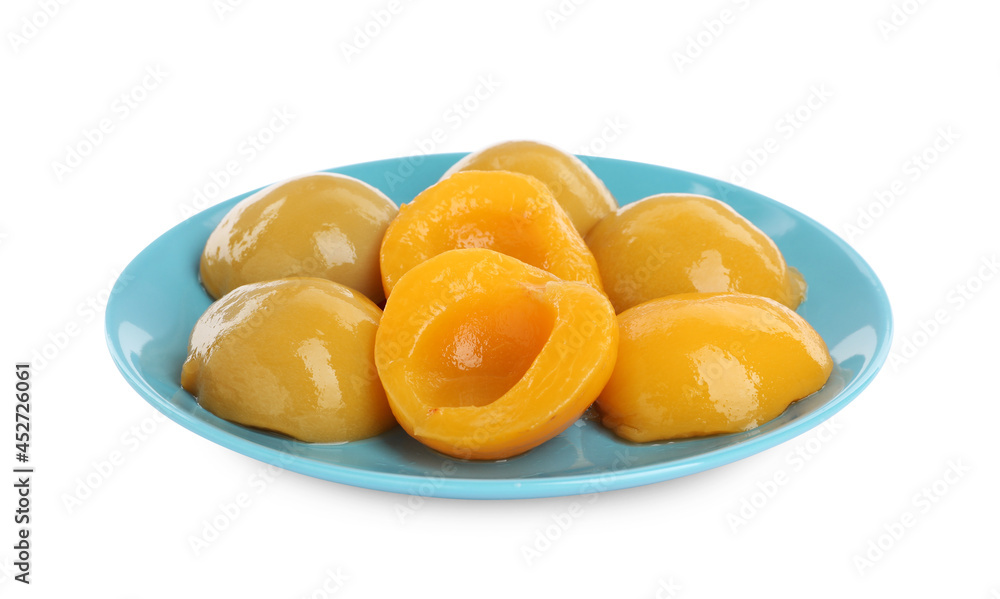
888 92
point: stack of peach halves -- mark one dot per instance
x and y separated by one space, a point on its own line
516 294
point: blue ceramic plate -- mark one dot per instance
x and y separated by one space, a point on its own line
158 298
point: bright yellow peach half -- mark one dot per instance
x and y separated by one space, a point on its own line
507 212
701 364
485 357
578 190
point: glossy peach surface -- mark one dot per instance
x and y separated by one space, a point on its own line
508 212
323 225
485 357
683 243
700 364
294 356
578 190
